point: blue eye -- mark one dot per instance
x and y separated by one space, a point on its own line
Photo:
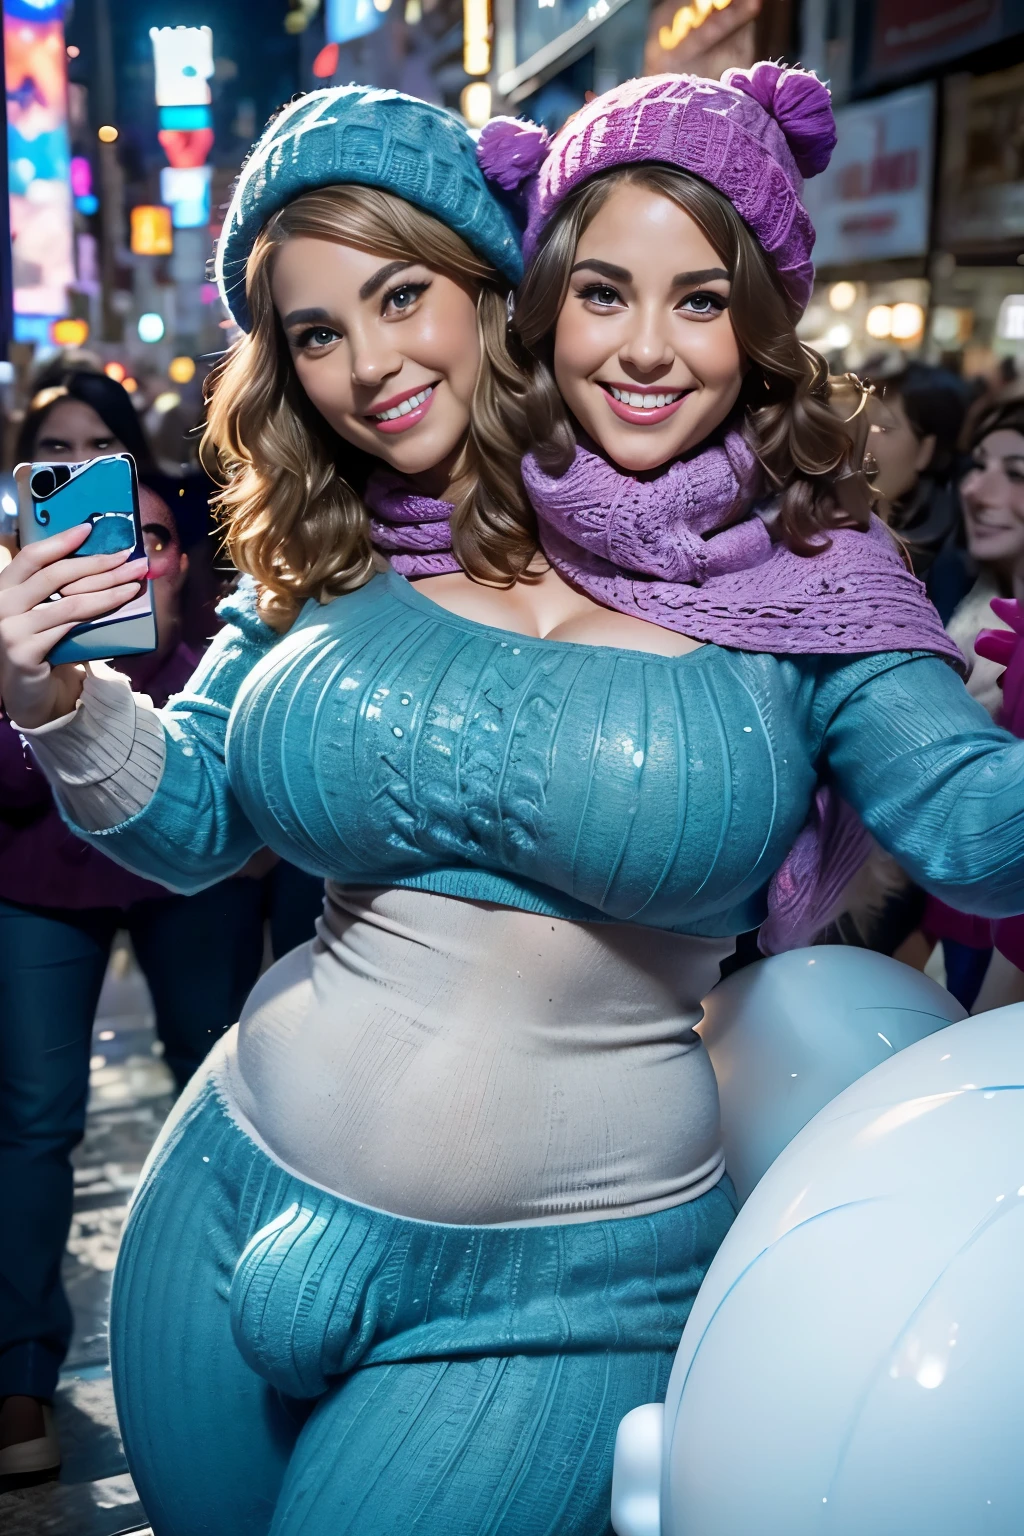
602 294
404 296
704 303
315 337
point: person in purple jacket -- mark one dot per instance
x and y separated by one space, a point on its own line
61 904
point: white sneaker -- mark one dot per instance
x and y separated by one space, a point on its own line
32 1458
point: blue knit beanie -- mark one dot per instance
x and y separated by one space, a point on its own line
374 138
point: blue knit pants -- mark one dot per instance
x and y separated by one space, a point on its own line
287 1362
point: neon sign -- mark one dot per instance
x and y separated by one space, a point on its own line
39 162
183 58
686 20
476 37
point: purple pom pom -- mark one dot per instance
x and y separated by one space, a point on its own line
510 151
799 103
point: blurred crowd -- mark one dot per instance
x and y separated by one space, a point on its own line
946 457
62 903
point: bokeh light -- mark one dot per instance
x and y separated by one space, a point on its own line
107 134
115 371
326 61
182 370
907 322
70 333
842 295
475 103
151 326
878 322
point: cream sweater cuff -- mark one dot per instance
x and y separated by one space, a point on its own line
104 759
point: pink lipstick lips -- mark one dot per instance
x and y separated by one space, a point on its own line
403 411
643 407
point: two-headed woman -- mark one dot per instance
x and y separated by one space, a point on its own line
567 650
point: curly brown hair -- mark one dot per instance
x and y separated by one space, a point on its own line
290 499
799 437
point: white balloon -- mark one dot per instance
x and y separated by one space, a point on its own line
787 1034
855 1357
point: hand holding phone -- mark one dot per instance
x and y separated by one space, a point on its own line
46 591
104 493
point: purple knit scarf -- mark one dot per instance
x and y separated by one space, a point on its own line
413 531
673 551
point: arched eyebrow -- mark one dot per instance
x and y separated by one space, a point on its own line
604 269
623 275
708 275
304 317
382 276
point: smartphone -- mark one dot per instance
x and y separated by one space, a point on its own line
105 493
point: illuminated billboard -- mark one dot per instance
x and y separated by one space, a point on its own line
186 191
345 20
151 230
39 159
183 60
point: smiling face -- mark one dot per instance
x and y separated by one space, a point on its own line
992 493
645 355
388 351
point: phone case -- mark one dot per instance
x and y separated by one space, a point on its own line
105 493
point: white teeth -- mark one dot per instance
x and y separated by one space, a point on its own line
405 407
643 402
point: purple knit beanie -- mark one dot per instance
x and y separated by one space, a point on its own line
754 137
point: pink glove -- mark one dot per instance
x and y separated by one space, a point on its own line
1006 649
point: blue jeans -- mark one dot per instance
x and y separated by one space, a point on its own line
200 955
287 1362
965 970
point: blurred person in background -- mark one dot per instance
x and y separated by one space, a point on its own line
61 905
992 496
77 413
916 417
83 408
992 492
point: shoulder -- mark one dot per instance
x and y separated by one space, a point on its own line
856 597
884 681
241 610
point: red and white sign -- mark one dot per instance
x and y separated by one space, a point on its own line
910 34
874 200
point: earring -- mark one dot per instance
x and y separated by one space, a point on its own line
510 308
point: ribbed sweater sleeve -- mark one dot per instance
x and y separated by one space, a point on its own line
177 819
105 759
939 786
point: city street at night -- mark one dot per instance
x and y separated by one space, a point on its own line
512 768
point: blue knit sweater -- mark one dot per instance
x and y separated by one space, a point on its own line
384 740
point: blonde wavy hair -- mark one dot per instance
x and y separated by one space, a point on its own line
290 502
